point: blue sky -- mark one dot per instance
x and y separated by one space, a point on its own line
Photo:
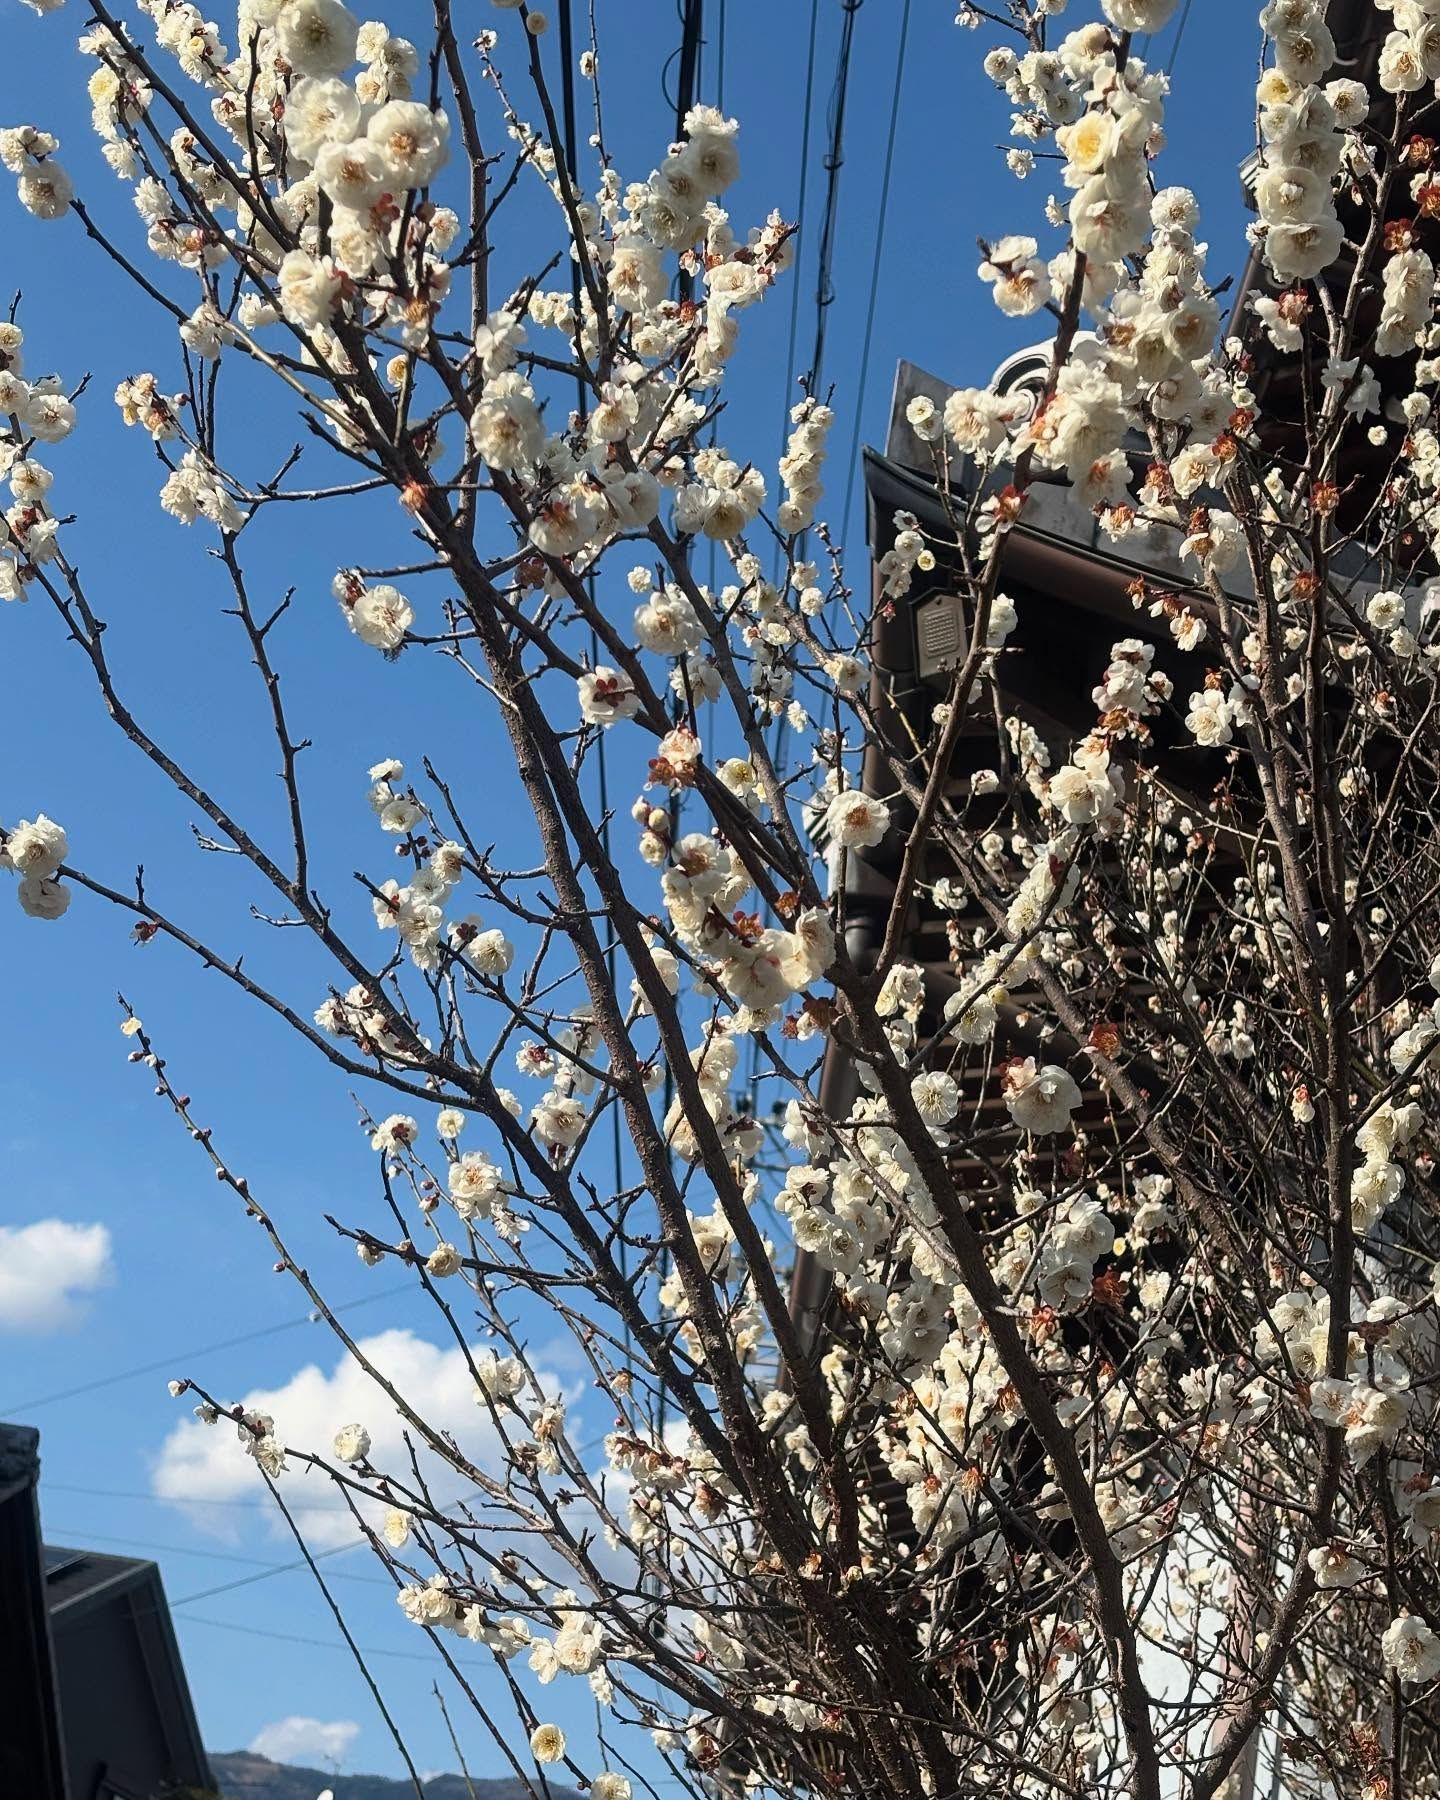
83 1138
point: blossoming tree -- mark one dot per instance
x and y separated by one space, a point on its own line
1112 1451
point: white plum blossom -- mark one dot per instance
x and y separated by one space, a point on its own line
506 426
352 1443
1039 1099
319 111
855 821
1411 1649
559 1120
1018 277
412 142
310 288
443 1261
547 1744
194 491
1334 1567
397 1132
316 37
379 616
45 190
43 897
936 1097
474 1182
606 697
34 849
1210 719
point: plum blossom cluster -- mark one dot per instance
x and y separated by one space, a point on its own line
800 466
196 490
1148 368
976 1128
1302 125
34 850
610 478
378 613
415 911
41 183
757 967
33 414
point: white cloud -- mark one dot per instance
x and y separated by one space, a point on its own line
199 1463
44 1267
303 1740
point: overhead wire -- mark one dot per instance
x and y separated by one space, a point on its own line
692 15
786 396
242 1501
1147 43
692 18
180 1357
567 106
569 113
834 160
262 1568
824 285
720 103
851 470
720 71
70 1538
292 1637
1179 37
267 1573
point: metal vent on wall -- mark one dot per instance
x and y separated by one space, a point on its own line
939 634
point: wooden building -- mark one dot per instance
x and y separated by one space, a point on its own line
96 1705
1075 594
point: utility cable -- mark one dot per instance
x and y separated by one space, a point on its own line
1179 36
180 1357
290 1637
268 1573
786 398
61 1534
834 160
851 470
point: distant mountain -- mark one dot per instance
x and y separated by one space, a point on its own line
243 1776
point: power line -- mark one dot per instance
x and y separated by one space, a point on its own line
265 1574
567 101
692 13
720 61
720 102
834 159
1148 42
94 1493
291 1637
690 21
850 462
572 151
182 1356
1179 34
71 1538
824 287
786 398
